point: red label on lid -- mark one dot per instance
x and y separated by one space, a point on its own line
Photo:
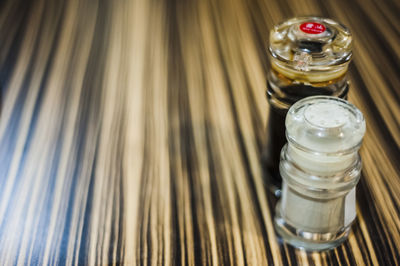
312 28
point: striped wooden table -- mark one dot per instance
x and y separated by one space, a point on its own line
131 132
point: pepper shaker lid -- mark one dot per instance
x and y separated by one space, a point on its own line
325 124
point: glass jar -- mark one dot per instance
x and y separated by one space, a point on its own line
320 167
308 56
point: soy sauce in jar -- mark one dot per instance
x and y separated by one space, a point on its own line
309 56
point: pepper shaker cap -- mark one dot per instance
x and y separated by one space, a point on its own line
325 124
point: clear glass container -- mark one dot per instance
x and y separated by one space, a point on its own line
308 56
320 167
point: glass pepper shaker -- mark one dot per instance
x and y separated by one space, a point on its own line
309 56
320 167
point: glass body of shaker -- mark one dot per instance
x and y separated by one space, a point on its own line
320 167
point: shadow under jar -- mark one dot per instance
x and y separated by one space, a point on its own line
308 56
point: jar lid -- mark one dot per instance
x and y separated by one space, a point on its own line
310 48
325 124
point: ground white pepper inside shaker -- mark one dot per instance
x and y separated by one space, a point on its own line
320 167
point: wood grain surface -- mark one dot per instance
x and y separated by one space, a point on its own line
131 132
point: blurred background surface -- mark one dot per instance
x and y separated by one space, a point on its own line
131 132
